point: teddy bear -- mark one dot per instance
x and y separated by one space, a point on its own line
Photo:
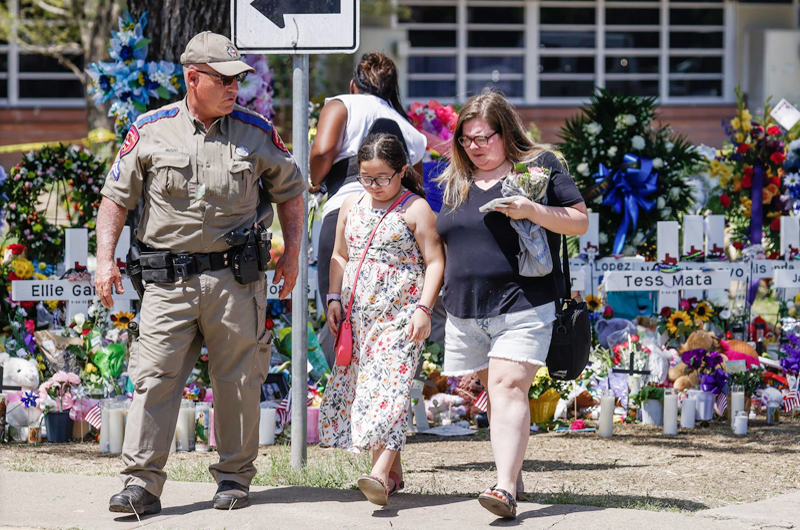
22 373
469 388
701 339
437 384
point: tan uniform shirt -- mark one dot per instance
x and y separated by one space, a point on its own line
200 185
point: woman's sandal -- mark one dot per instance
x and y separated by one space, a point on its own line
399 484
376 491
499 502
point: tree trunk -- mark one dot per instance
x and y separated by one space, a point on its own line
174 22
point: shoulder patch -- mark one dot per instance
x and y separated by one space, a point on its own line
131 139
252 119
276 139
115 170
165 113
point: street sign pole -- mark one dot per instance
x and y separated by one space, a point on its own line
300 295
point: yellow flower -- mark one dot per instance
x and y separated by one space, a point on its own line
42 265
747 126
746 116
23 268
90 368
39 276
703 312
676 318
724 181
592 302
122 319
736 124
739 137
720 169
52 304
797 299
748 213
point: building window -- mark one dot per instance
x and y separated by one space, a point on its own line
30 79
554 51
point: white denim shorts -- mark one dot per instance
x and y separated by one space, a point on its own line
523 337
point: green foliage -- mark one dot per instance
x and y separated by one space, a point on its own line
750 379
648 392
612 125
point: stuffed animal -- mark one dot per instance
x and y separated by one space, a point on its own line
439 404
19 372
701 339
438 386
22 373
469 388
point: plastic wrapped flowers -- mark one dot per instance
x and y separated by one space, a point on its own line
256 91
130 81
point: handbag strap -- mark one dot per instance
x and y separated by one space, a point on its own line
400 200
567 277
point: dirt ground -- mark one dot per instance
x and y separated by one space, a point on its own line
636 468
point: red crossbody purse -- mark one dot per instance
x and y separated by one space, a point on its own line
344 339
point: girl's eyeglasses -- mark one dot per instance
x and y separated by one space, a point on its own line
227 80
378 181
480 141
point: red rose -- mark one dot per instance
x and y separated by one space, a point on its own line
748 171
608 312
738 245
773 255
747 181
775 225
13 277
724 200
27 305
86 331
777 158
616 349
743 148
776 181
269 323
774 130
666 312
17 249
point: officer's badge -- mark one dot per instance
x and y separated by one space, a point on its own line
242 150
276 139
233 52
130 141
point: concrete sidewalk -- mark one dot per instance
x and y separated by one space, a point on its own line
60 501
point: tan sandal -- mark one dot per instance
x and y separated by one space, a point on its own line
399 484
376 491
499 502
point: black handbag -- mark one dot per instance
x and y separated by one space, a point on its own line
572 332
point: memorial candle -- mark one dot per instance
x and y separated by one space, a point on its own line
670 412
606 423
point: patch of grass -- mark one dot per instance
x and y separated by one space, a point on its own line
325 469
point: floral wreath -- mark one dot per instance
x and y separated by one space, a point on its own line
66 177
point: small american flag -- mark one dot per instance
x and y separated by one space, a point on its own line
722 402
791 401
284 411
94 417
482 401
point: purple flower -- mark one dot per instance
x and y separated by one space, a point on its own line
713 359
714 382
694 358
791 363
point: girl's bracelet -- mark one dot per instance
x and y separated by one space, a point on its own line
425 309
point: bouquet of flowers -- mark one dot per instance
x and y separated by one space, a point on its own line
690 316
57 392
437 122
130 81
630 347
752 165
544 385
791 351
257 92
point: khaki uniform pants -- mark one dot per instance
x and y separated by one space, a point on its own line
174 320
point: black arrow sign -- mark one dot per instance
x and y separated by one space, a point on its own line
276 9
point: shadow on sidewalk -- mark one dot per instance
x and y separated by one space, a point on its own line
307 495
538 465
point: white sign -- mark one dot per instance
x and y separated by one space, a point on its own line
274 290
295 26
34 290
659 281
787 279
785 114
578 279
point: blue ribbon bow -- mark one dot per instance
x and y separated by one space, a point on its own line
629 186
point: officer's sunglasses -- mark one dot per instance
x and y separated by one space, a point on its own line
378 181
227 80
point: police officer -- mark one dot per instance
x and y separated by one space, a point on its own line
201 164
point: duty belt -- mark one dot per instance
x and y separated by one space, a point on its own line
164 266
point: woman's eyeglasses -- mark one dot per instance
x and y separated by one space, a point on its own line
227 80
480 141
378 181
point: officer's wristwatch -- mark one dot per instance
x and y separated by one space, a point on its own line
331 297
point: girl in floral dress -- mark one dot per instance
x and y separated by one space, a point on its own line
365 405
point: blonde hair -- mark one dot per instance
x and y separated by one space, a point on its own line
493 108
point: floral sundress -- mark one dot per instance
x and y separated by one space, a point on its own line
365 405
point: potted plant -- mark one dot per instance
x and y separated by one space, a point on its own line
543 396
651 400
56 395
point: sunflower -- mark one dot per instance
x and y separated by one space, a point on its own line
675 319
122 319
593 302
703 312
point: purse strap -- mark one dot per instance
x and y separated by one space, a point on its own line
400 200
567 277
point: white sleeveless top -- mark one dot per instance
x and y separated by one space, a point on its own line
362 111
